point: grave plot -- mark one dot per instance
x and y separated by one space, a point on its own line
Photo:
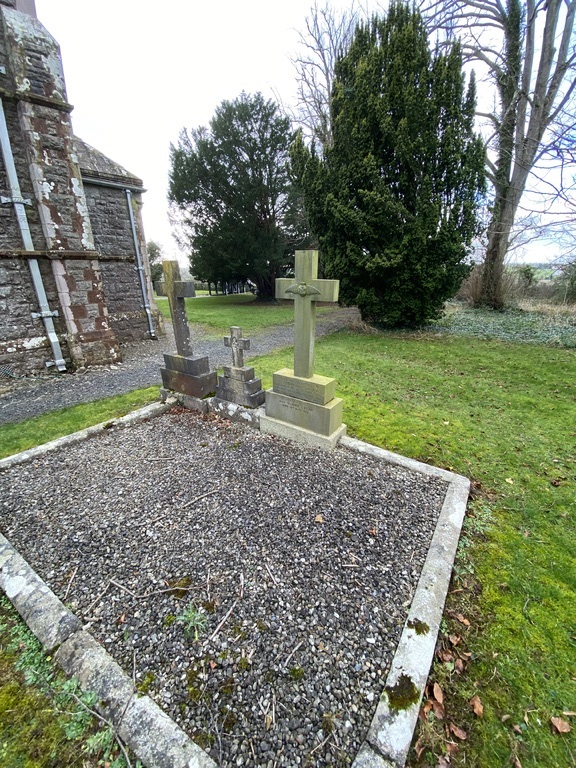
254 588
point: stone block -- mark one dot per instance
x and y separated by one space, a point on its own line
195 386
240 387
322 419
315 389
194 366
249 399
242 374
96 671
271 426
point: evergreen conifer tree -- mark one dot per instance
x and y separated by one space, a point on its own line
393 201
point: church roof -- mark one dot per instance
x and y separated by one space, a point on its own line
95 165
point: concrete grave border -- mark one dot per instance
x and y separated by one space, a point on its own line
152 735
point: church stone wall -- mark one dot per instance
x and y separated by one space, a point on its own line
81 233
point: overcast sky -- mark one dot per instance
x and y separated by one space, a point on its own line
138 72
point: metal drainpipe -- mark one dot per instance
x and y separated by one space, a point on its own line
140 268
18 202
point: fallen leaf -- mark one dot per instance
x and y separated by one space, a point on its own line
445 656
569 714
419 747
459 666
424 709
443 762
458 732
213 664
510 481
454 639
559 725
438 710
517 763
477 705
462 620
452 747
438 695
516 728
372 531
268 722
504 718
318 519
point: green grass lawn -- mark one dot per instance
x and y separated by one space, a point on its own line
504 414
18 437
217 313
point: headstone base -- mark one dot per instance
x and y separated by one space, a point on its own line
272 426
186 401
315 389
187 384
322 419
238 385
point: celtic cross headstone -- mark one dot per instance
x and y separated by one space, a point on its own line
301 404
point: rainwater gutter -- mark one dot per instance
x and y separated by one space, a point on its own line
140 268
18 202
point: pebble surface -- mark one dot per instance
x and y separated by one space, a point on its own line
255 589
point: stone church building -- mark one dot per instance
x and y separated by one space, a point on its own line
74 273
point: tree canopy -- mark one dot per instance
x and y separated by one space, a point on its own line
231 185
527 50
393 201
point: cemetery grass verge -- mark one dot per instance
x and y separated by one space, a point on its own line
23 435
45 719
502 414
217 313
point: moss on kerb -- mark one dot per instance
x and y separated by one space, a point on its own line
403 694
420 627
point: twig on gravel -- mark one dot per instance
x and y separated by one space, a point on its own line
224 620
70 583
150 594
87 611
271 574
318 746
184 506
292 653
241 585
198 498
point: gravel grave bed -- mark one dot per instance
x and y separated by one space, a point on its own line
255 589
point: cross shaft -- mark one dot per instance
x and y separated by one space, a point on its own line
305 290
176 290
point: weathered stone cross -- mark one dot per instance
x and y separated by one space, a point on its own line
177 290
238 345
306 290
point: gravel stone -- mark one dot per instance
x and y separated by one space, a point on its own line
299 618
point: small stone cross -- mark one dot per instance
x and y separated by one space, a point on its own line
305 289
238 345
177 290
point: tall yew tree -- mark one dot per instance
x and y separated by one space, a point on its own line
231 187
393 201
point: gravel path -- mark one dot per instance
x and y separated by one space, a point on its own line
296 569
23 398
